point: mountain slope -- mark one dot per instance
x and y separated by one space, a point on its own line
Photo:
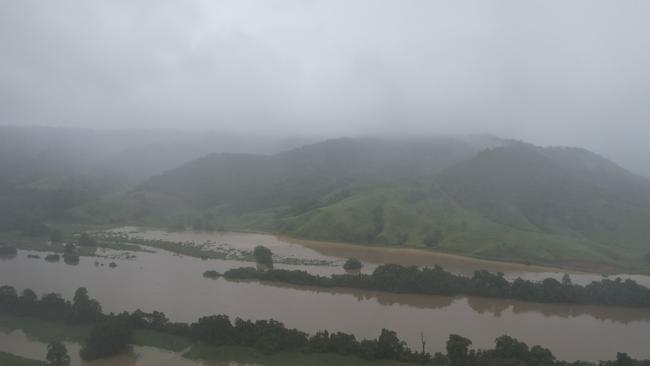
512 201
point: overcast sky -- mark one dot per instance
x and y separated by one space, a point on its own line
550 72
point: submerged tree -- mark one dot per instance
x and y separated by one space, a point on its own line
263 255
85 309
106 340
352 264
57 354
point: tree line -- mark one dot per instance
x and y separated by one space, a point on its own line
436 281
112 334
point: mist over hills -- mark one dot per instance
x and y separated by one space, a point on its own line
476 195
46 171
481 196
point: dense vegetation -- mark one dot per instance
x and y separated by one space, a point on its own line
352 264
107 339
112 334
263 256
57 354
436 281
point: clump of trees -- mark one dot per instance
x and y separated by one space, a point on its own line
211 274
352 264
70 255
51 306
263 256
436 281
52 258
57 354
107 339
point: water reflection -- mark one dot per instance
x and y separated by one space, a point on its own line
18 343
481 305
175 285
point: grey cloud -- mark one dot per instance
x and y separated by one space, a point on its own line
551 72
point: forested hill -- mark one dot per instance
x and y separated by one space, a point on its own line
45 171
307 174
481 196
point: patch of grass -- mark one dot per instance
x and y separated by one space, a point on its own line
41 243
49 331
7 359
403 216
45 331
251 356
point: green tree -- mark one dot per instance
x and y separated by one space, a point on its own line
389 345
57 354
27 301
508 347
263 255
458 350
352 264
433 238
106 340
85 309
623 359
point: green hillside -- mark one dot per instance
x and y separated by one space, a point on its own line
514 201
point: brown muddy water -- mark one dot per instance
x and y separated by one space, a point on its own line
371 256
174 284
18 343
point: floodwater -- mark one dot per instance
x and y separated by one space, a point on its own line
174 284
18 343
370 256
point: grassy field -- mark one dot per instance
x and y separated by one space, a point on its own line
47 331
251 356
403 217
42 242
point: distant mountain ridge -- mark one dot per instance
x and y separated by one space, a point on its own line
476 195
488 197
45 171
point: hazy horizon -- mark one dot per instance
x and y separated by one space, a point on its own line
551 73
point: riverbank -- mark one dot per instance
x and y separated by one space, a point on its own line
400 279
404 255
370 253
50 331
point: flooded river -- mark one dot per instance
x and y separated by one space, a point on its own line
18 343
174 284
